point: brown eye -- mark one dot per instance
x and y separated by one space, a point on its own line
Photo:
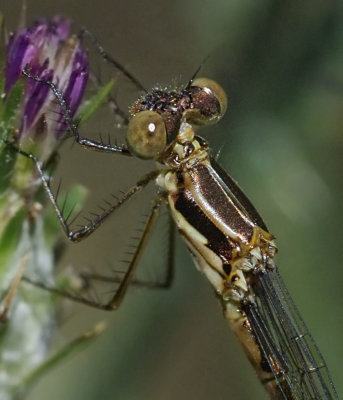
146 135
209 102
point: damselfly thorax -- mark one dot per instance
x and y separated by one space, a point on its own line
227 245
226 236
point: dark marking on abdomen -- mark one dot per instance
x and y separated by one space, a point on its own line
217 241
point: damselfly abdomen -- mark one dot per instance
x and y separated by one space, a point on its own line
228 239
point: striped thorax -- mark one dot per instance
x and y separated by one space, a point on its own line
226 244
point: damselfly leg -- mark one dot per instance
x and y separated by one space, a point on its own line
88 229
83 141
93 224
163 283
127 279
114 106
111 60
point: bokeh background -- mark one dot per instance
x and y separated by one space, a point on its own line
281 64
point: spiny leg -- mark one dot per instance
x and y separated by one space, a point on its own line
117 298
151 284
107 57
72 126
120 293
112 102
85 231
169 275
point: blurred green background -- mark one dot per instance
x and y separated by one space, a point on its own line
281 64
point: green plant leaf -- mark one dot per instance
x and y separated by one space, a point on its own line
91 105
10 237
69 350
10 106
8 158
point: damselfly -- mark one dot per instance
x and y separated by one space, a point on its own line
226 236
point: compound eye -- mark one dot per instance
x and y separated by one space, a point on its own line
209 102
146 135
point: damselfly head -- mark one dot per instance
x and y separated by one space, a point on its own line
157 117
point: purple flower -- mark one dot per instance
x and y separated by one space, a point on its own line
49 54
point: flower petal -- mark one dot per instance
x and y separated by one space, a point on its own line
53 57
18 49
36 95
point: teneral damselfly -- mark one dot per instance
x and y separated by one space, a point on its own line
227 238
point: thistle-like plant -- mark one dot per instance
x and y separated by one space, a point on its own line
31 119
